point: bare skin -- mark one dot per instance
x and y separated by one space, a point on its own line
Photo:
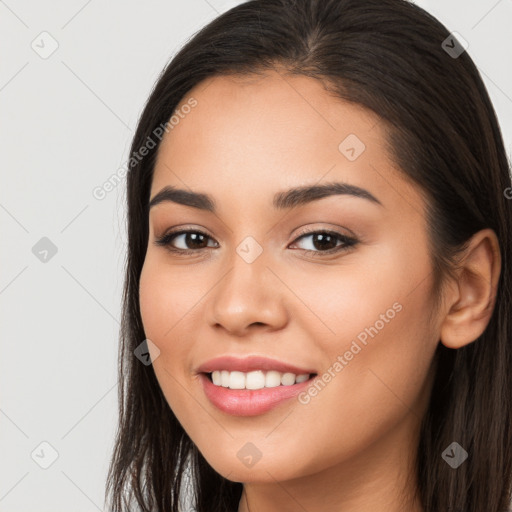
352 446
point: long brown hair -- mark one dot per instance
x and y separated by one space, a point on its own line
394 58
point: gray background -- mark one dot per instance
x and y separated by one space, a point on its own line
66 125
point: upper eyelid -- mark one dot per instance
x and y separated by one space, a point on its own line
335 230
307 232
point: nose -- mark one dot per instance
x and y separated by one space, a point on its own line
249 296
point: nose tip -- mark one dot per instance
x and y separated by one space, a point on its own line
247 297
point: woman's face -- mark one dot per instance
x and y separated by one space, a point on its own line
273 277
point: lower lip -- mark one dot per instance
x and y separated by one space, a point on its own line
249 402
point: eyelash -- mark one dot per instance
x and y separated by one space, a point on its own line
347 242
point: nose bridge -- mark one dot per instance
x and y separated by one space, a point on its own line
246 294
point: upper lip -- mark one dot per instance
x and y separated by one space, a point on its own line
250 363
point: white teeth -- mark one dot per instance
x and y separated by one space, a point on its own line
272 379
288 379
217 378
256 379
236 380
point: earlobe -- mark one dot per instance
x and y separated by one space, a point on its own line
472 300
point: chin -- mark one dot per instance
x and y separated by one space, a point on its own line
262 471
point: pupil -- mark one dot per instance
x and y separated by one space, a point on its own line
319 241
194 237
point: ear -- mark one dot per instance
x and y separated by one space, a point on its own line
471 301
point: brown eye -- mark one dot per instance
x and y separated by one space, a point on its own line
326 242
192 240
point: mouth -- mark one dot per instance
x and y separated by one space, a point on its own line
250 395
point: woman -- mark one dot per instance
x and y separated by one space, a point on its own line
318 269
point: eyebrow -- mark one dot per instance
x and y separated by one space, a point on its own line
291 198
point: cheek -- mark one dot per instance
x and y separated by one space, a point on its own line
147 301
164 299
388 340
376 364
390 355
354 407
161 309
153 303
167 310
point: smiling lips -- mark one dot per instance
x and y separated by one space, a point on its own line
252 385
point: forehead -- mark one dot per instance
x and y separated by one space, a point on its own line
260 134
